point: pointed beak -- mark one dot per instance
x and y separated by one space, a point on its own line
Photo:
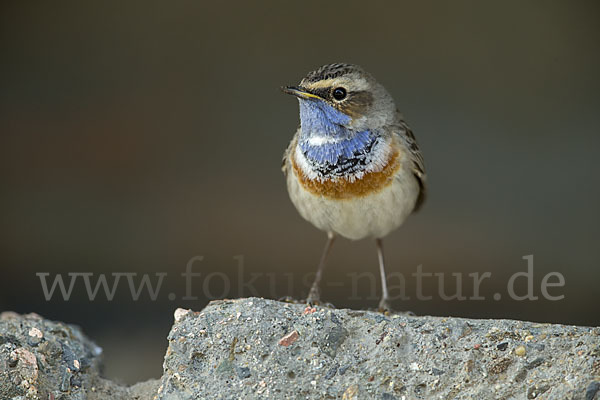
299 91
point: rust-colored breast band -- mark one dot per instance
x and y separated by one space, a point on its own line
340 188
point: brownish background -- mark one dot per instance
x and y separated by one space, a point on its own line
136 135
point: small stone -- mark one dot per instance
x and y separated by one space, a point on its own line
333 339
225 367
35 332
335 319
243 372
521 375
469 365
500 366
420 390
350 393
596 367
76 381
591 390
29 362
13 359
66 381
502 346
309 310
289 338
180 313
520 351
535 363
331 373
534 391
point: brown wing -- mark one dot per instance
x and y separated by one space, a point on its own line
287 153
418 165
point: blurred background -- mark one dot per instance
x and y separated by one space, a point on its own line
136 135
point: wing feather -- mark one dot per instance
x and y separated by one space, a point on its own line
417 162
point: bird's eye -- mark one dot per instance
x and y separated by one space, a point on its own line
339 93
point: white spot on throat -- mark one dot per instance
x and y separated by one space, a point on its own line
321 140
377 159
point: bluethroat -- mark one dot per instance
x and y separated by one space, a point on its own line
353 167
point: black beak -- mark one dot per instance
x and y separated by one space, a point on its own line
299 91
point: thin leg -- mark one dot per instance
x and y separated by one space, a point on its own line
384 304
314 296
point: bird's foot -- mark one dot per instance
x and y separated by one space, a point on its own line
385 306
314 296
289 299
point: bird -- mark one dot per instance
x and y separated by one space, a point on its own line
353 167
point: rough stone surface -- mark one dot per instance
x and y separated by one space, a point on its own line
45 360
262 349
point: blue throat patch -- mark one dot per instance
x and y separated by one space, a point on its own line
341 146
318 117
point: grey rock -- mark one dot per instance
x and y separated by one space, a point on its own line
41 360
592 390
331 373
345 354
263 349
243 372
502 346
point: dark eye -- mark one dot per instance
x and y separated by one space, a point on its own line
339 93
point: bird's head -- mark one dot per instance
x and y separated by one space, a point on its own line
342 97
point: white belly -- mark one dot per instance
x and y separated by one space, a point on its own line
373 215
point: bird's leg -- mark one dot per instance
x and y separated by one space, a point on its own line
314 296
384 304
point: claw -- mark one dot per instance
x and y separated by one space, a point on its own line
312 301
385 306
314 297
287 299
